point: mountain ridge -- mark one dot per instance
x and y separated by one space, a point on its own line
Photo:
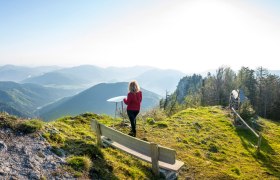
94 99
85 76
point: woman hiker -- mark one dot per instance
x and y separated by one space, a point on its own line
133 102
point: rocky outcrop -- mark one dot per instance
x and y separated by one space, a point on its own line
3 146
28 157
187 85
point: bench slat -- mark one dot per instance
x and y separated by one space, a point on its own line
126 140
167 155
137 147
172 167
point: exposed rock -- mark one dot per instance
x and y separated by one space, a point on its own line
2 172
3 146
28 157
168 175
34 175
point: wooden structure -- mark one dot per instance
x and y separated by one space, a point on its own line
237 97
158 156
256 134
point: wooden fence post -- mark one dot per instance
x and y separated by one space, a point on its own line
98 133
154 157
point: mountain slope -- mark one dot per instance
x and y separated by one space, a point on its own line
7 108
94 99
24 99
56 79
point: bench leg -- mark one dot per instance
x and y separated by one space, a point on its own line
96 126
154 156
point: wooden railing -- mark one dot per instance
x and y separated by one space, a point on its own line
252 130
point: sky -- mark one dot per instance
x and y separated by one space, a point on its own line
187 35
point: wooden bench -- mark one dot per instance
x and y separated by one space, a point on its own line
159 156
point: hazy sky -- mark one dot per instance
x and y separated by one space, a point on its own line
188 35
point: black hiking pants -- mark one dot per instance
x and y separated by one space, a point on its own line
132 117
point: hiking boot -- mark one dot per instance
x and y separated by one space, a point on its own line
132 134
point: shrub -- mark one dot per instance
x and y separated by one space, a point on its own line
30 126
162 124
57 137
79 163
193 100
8 121
156 114
246 111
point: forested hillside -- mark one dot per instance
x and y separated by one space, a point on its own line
24 99
261 88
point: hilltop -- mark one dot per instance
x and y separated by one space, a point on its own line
204 139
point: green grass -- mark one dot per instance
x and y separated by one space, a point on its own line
79 163
74 136
30 126
204 139
212 148
20 125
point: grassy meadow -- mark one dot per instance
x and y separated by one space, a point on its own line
204 139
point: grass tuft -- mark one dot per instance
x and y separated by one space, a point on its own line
79 163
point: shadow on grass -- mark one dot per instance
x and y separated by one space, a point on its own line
266 157
101 168
145 168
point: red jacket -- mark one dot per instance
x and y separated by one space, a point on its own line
133 101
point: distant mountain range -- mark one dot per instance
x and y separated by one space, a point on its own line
85 76
24 99
19 73
94 99
47 91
